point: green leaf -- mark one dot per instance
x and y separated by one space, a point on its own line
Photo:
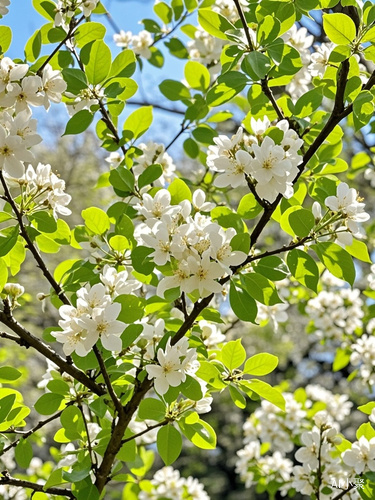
229 85
137 123
5 38
233 354
191 148
75 79
339 28
337 260
33 46
179 191
96 220
365 430
363 109
174 90
23 453
359 250
303 268
6 404
127 453
140 260
272 267
243 305
89 32
8 238
122 180
342 359
260 288
163 11
54 478
79 122
152 408
169 443
256 65
309 102
248 207
3 274
367 408
261 364
302 221
268 30
210 374
191 389
132 308
200 433
123 65
48 403
9 374
237 397
43 222
197 75
46 8
267 392
99 62
214 23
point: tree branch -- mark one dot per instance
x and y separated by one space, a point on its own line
72 28
5 478
30 340
26 434
107 380
30 245
148 428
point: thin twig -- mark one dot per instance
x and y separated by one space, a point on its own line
343 493
32 341
72 28
30 245
26 434
156 106
5 478
148 428
89 446
107 380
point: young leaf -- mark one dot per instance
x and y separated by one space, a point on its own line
339 28
337 260
261 364
214 23
169 443
233 354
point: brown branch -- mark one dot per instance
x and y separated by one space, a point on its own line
107 380
244 24
148 428
72 28
30 244
26 434
32 341
156 106
5 478
343 493
115 443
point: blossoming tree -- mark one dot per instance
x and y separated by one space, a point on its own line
139 344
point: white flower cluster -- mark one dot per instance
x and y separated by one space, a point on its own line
95 315
361 455
152 153
279 431
41 189
167 484
336 313
3 7
344 218
363 355
205 49
197 248
66 9
258 159
371 278
18 91
140 43
174 362
300 40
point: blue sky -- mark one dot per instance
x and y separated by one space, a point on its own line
24 21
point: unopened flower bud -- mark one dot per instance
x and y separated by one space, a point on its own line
14 289
317 210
